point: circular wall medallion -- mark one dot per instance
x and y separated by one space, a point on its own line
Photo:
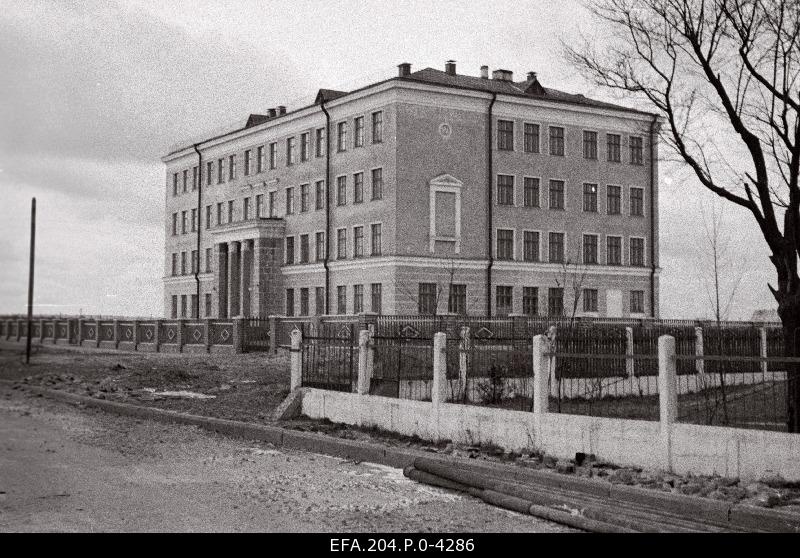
445 130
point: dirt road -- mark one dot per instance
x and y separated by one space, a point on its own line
69 469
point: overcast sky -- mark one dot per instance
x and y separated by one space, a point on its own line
93 94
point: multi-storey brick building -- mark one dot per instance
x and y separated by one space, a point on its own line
428 192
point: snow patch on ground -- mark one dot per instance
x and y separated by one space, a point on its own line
182 393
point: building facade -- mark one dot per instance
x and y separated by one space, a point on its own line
429 192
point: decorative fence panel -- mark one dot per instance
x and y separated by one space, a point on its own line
256 335
194 333
221 333
330 357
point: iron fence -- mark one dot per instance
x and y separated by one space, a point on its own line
403 363
256 335
330 357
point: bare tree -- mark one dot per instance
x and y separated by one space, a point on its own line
725 77
443 289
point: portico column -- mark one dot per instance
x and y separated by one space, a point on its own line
246 276
234 278
222 280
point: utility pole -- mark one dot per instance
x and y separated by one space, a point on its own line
30 281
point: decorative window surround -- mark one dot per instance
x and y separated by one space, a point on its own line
448 184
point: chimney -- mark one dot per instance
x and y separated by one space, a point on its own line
531 76
450 67
271 113
281 110
404 69
485 72
503 75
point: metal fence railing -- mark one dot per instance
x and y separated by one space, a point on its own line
329 358
256 335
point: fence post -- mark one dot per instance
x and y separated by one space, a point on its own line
541 374
273 335
135 338
116 334
364 371
763 339
667 395
179 336
439 389
630 369
699 350
157 337
19 330
207 333
41 331
97 332
296 360
463 347
238 334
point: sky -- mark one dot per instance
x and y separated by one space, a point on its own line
94 93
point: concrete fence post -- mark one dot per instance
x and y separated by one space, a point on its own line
157 337
42 331
296 360
541 374
207 334
630 369
364 368
699 351
667 395
439 389
97 335
79 336
273 335
135 337
464 346
116 334
179 336
238 335
763 346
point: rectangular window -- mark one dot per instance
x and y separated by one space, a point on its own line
320 194
637 252
208 217
304 301
590 248
613 142
530 301
358 187
175 184
555 247
590 300
195 307
183 306
531 138
376 298
219 213
530 252
377 127
304 248
209 172
636 144
505 135
555 301
305 145
273 202
290 151
556 194
303 198
183 222
341 136
505 189
341 244
185 180
320 246
505 244
208 305
232 167
319 301
246 209
614 200
174 313
290 302
209 257
504 300
637 202
289 250
589 145
259 206
377 184
358 299
375 233
174 224
260 159
341 299
427 298
273 155
341 190
247 155
195 262
590 198
230 211
194 178
358 242
220 171
194 219
174 264
457 299
183 263
531 192
556 141
358 135
289 200
320 142
614 250
637 302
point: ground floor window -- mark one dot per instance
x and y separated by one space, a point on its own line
290 302
555 301
457 299
195 307
208 305
590 300
304 301
174 313
530 301
637 302
341 299
377 296
358 299
427 298
319 302
504 300
183 306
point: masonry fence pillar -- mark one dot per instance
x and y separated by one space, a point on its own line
179 336
699 350
763 346
97 335
273 335
364 362
667 395
42 331
8 329
630 367
135 337
296 360
463 351
238 334
207 333
157 337
439 389
541 374
116 334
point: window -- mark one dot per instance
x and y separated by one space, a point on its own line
613 142
174 264
637 302
530 301
290 302
320 142
505 135
304 248
341 299
174 224
589 145
304 301
303 198
195 307
590 300
341 244
358 299
305 144
341 136
377 184
614 200
183 263
505 189
175 184
260 159
531 138
273 210
504 300
183 222
530 246
636 150
185 180
289 201
289 250
208 217
341 190
209 172
194 219
208 260
637 202
376 298
457 299
320 246
183 306
246 209
358 187
358 242
614 250
377 127
555 247
174 313
556 194
555 301
195 262
319 301
247 155
590 248
220 171
230 211
375 233
208 305
427 298
290 151
358 135
531 192
320 194
259 206
273 155
232 167
219 213
505 244
590 198
194 178
637 251
556 141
